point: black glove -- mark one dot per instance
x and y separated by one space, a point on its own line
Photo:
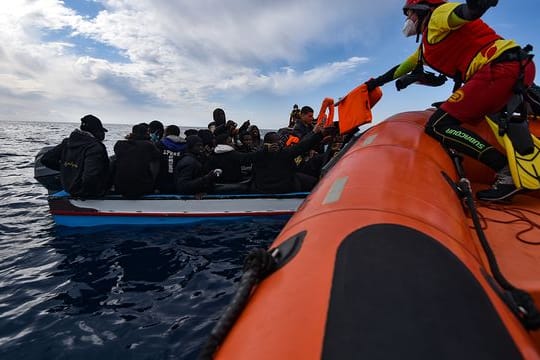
381 80
481 5
430 79
372 84
420 76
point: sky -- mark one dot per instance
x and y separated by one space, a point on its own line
175 61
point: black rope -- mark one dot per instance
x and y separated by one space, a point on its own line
519 300
258 265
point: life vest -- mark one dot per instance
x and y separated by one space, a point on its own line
355 108
453 55
292 140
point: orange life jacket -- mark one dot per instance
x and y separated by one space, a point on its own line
292 140
355 108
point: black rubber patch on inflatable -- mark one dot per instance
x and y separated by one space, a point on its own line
399 294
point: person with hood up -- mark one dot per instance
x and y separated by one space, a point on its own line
82 160
172 147
218 115
136 164
189 177
256 141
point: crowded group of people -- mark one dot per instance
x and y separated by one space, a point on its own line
222 158
452 40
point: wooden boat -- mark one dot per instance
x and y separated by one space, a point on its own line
169 209
162 209
383 261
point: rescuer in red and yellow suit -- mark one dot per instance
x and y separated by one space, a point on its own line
458 44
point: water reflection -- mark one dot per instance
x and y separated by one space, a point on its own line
118 293
155 291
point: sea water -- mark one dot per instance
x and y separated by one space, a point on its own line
115 293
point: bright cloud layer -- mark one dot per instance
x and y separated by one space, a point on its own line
158 58
132 61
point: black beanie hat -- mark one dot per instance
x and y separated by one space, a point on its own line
193 140
91 124
140 132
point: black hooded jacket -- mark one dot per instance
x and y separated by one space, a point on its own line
301 129
230 161
274 172
189 177
136 167
83 164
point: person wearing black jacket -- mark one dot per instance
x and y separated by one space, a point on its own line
304 125
82 160
136 164
229 160
189 177
171 147
274 170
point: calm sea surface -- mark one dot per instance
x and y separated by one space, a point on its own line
119 293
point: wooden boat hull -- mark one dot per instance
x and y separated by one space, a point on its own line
387 264
169 209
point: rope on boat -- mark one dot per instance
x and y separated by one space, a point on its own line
519 301
520 216
258 265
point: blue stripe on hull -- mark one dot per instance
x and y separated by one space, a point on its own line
88 221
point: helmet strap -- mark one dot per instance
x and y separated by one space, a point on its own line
422 16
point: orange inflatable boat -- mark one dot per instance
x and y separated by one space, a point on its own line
383 261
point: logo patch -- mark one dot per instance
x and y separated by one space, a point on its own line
488 54
456 97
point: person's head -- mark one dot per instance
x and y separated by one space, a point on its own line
212 126
224 139
172 130
94 126
306 115
219 116
271 137
207 137
416 12
255 133
140 132
190 132
155 129
194 144
246 140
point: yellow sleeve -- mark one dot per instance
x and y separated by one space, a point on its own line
442 21
408 65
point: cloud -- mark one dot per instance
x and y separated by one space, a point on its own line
175 55
288 80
